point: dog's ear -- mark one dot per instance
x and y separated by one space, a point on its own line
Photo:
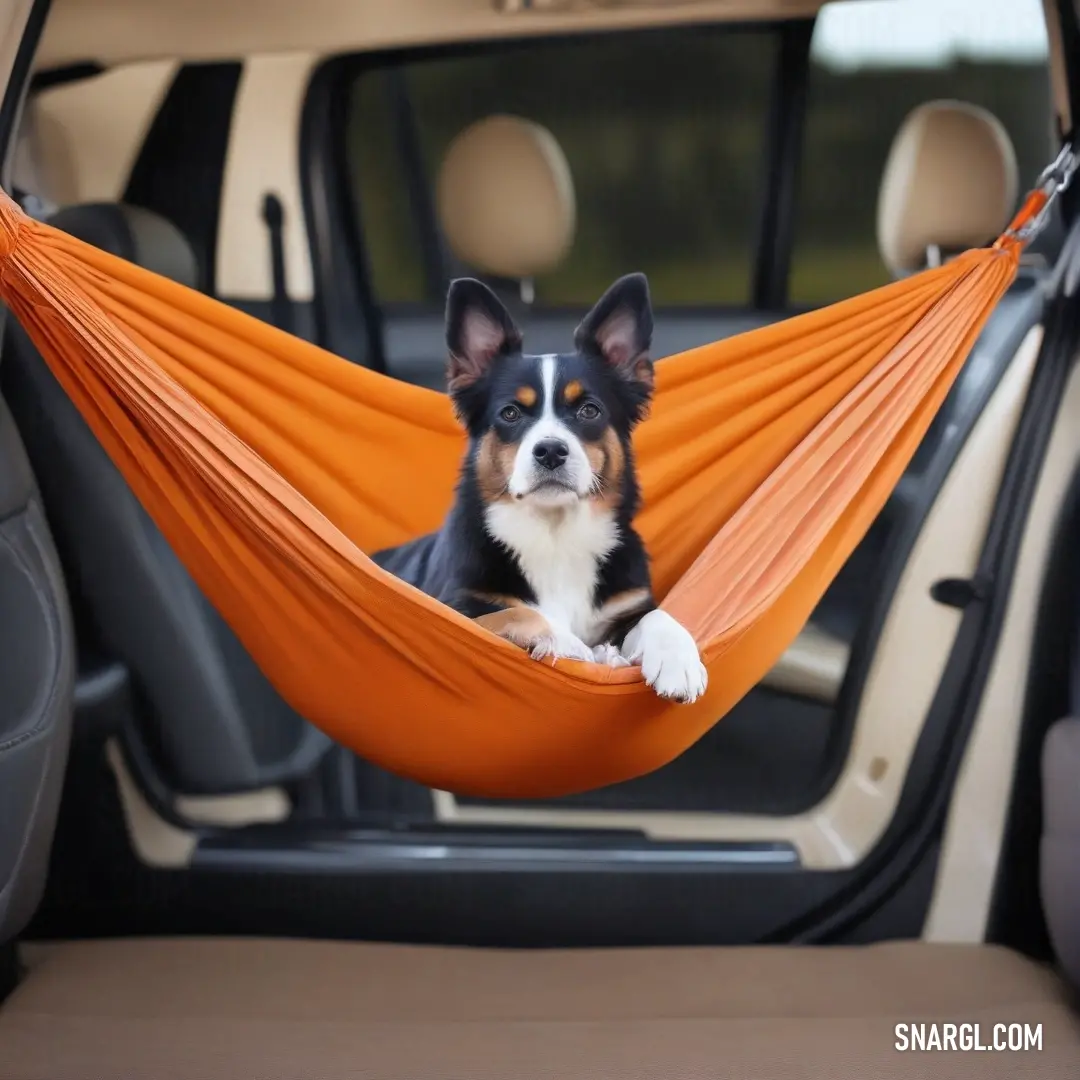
620 329
478 330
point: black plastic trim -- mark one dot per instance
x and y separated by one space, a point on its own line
9 969
960 592
46 78
1069 25
19 83
407 138
347 317
15 95
787 116
273 215
313 850
96 688
103 701
139 759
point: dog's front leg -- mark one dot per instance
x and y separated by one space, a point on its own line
527 628
668 655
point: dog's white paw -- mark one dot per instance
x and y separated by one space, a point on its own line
609 655
668 655
560 645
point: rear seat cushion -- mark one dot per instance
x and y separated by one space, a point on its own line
224 1009
134 234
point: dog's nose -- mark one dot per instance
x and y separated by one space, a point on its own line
551 453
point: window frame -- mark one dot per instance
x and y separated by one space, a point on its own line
332 202
345 295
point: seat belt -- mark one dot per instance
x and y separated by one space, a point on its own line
281 311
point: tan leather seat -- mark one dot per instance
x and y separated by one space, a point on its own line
950 183
237 1009
813 666
506 200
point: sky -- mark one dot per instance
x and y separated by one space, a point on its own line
931 32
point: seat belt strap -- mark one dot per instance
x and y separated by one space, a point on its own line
273 214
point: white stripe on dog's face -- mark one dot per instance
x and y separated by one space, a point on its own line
574 479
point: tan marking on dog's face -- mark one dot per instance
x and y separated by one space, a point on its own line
597 455
607 459
526 396
522 626
573 391
494 464
644 373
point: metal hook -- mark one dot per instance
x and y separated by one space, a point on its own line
1053 180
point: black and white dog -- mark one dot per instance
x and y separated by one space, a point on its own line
539 546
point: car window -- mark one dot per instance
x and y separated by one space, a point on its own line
872 61
664 133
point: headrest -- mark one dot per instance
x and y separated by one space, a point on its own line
950 181
135 234
506 198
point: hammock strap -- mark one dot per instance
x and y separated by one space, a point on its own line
1033 215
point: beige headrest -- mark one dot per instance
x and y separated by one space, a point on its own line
950 181
506 198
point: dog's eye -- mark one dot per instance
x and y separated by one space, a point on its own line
589 411
510 413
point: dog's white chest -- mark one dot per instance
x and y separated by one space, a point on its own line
560 555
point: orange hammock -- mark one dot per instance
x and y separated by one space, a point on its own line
271 465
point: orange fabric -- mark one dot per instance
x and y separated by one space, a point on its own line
271 466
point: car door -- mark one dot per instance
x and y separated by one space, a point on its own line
743 178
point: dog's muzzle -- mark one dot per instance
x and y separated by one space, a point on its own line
551 454
552 469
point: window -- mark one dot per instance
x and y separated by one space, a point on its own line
665 134
872 61
663 131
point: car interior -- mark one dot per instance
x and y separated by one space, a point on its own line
196 881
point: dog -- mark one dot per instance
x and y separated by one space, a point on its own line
539 546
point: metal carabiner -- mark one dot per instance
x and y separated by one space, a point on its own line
1053 180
